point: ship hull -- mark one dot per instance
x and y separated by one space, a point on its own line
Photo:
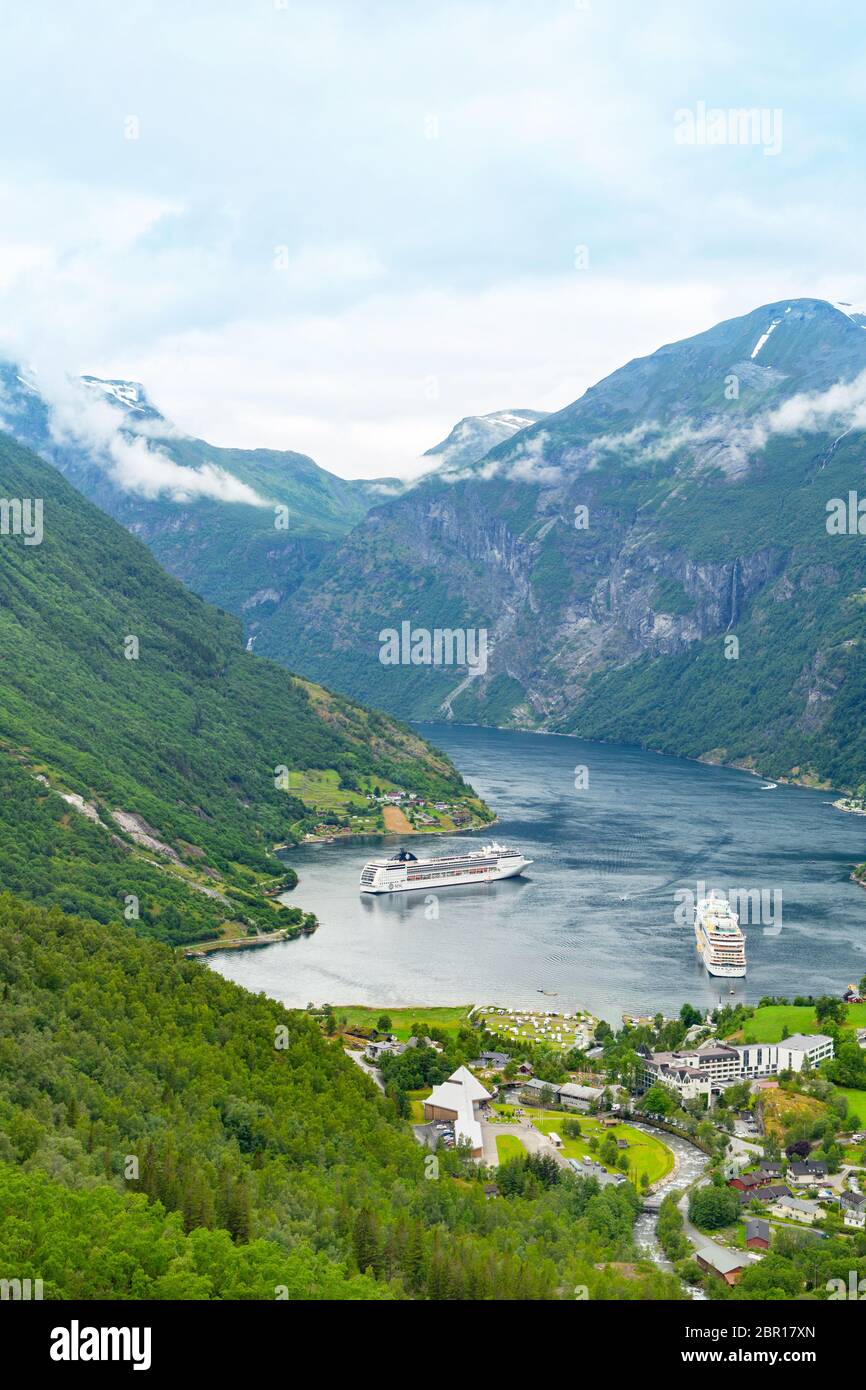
726 972
719 971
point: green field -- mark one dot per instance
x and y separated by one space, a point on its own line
856 1105
402 1020
416 1102
774 1022
509 1146
646 1154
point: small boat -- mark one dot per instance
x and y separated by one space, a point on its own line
769 787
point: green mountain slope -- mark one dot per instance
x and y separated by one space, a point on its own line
181 753
165 1134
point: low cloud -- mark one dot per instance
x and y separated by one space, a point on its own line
843 404
78 417
730 443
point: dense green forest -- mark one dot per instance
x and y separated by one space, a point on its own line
119 686
163 1133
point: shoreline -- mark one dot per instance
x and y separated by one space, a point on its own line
780 778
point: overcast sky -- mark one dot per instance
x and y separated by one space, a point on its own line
343 226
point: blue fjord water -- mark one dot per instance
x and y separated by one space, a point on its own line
594 922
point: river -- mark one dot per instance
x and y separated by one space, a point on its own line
594 922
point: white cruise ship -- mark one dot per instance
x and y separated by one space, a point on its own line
405 870
719 938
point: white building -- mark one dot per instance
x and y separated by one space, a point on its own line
766 1059
458 1100
715 1065
853 1206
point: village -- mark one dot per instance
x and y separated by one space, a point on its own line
731 1145
371 807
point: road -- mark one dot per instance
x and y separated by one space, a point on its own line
373 1072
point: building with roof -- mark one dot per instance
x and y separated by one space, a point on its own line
806 1174
494 1061
459 1100
853 1205
724 1264
797 1209
575 1097
377 1049
764 1194
772 1169
749 1182
757 1233
712 1066
535 1091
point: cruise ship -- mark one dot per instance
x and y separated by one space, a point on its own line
719 939
404 870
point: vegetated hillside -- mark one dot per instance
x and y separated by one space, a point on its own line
121 689
165 1134
610 550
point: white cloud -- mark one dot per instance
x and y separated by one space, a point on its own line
79 417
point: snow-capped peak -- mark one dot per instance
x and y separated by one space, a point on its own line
129 394
855 312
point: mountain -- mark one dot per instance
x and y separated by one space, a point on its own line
609 549
148 764
475 435
232 545
246 553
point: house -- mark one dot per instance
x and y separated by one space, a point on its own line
458 1100
772 1170
853 1206
757 1234
374 1050
747 1182
764 1194
797 1209
584 1098
806 1174
724 1264
493 1061
525 1069
852 995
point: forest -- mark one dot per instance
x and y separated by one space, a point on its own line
164 1133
